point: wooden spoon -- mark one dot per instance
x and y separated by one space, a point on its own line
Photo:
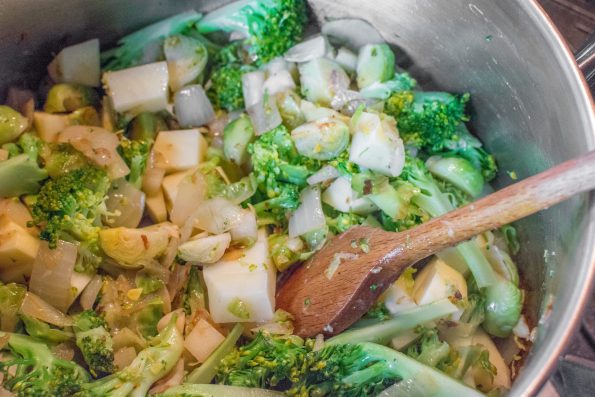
325 302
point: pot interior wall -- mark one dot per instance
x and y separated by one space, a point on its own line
524 99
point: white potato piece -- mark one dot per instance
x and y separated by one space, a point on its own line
17 246
205 250
138 89
241 286
78 64
18 213
376 145
49 125
156 207
179 150
171 184
437 281
203 340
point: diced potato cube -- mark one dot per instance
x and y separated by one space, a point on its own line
171 185
437 281
138 89
17 246
179 150
49 126
203 340
241 286
156 207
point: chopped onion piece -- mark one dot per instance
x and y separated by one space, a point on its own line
246 232
309 215
52 274
205 250
174 378
317 46
98 144
279 82
36 307
351 32
218 215
192 107
252 87
325 174
264 115
126 205
90 293
124 356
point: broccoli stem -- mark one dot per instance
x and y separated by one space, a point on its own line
191 390
410 370
383 332
207 371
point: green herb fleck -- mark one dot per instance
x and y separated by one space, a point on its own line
239 308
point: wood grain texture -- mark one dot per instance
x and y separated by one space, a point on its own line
328 305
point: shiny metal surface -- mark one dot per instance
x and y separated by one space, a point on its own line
530 106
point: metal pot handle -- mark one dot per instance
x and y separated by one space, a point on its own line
585 57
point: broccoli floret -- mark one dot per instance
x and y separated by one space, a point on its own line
150 365
266 362
271 27
275 210
134 49
69 208
429 349
38 372
21 174
226 87
339 222
135 153
95 342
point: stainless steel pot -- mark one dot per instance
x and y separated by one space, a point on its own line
531 106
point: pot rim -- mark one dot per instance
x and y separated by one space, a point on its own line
543 361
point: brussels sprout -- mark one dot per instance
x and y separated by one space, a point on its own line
236 137
458 171
375 63
285 251
288 103
12 124
134 247
70 97
321 79
503 304
186 60
146 125
321 140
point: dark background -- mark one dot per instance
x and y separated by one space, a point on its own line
575 375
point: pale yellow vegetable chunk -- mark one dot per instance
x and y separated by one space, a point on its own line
17 246
203 340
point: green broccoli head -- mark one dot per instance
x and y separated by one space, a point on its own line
69 208
347 370
38 372
135 153
429 349
427 120
271 27
265 362
226 87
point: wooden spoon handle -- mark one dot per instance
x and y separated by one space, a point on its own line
507 205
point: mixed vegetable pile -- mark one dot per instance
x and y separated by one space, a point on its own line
151 194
